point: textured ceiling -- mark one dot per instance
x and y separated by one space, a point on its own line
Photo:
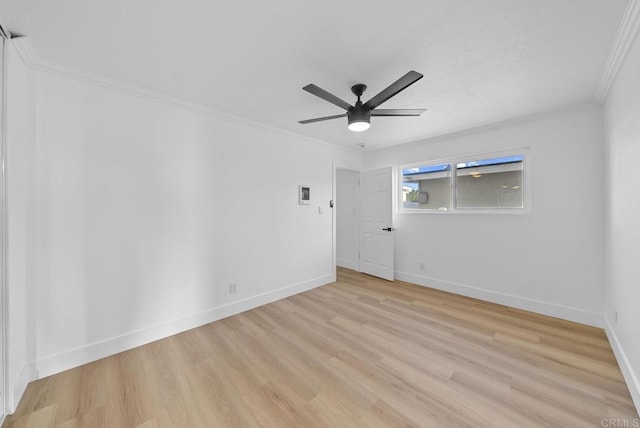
483 61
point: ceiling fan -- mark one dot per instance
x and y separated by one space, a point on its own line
359 115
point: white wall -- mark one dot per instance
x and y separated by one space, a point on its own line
147 211
347 218
20 175
622 113
549 260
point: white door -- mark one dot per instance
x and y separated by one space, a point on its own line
376 223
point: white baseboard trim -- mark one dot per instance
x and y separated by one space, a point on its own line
628 372
18 386
349 264
85 354
551 309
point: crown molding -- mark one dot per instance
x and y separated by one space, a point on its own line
501 124
4 30
25 49
28 54
627 33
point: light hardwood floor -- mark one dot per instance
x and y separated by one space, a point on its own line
360 352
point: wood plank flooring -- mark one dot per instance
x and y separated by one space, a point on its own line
360 352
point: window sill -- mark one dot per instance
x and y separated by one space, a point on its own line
507 211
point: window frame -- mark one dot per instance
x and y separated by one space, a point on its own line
525 152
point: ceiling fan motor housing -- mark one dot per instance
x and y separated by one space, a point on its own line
359 114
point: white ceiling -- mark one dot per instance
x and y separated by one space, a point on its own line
484 61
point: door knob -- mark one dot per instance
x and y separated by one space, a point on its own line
388 229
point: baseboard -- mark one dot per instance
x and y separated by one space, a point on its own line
18 386
568 313
349 264
82 355
628 372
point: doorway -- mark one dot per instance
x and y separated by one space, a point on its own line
364 231
347 211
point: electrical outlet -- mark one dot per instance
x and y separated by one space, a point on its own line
233 288
421 266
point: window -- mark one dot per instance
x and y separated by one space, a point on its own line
427 187
481 183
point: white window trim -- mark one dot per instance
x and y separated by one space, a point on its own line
525 152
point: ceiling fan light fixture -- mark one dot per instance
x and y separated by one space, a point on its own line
359 120
359 126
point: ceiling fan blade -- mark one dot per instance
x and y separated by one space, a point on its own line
319 92
402 83
319 119
398 112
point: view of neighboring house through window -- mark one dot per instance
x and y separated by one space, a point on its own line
490 183
427 187
482 183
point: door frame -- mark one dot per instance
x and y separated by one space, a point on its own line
394 210
4 310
